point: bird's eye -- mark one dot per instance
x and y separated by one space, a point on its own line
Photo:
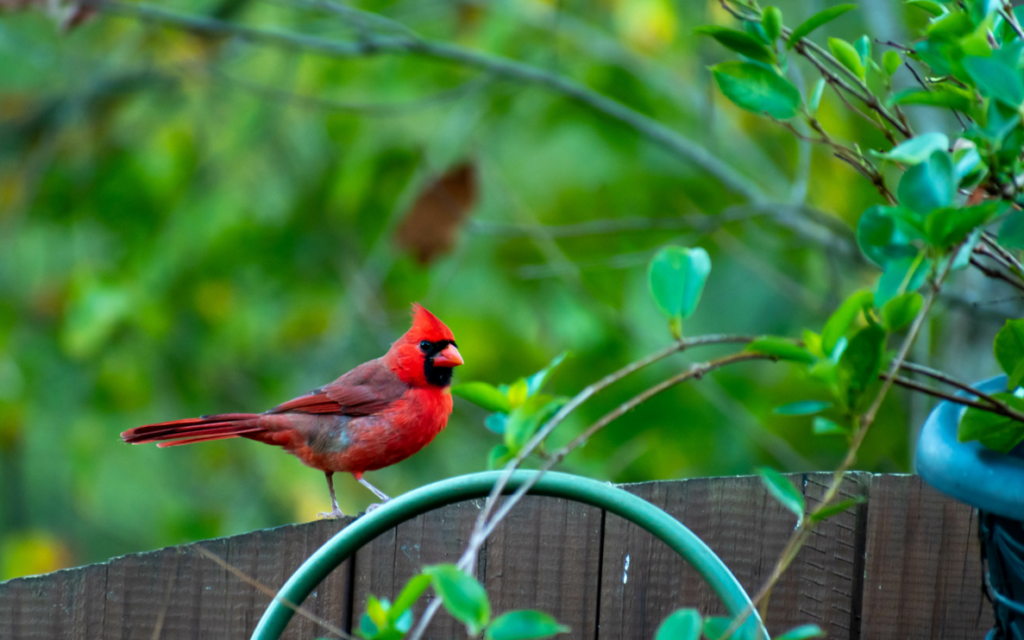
424 345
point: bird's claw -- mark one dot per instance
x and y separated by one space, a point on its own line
373 507
330 515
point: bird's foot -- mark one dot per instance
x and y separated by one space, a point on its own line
373 507
330 515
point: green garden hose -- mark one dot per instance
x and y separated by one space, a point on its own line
478 485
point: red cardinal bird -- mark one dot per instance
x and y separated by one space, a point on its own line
374 416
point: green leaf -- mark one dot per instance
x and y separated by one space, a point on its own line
738 41
524 625
535 382
410 594
835 510
863 48
929 185
463 596
498 457
716 626
367 629
847 55
681 624
816 21
860 363
783 490
483 395
518 392
825 427
898 279
891 61
934 8
756 88
815 101
676 277
994 431
803 632
527 419
1009 351
901 311
917 149
1011 233
996 79
771 20
841 319
497 422
879 237
781 348
949 226
939 96
802 408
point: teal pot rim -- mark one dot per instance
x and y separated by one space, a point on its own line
969 471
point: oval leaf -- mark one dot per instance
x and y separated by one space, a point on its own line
815 21
498 457
738 41
802 408
996 79
901 311
756 88
939 96
524 625
825 427
847 55
841 319
683 624
891 61
917 149
676 277
463 596
771 20
1009 351
783 490
483 395
929 185
535 382
879 237
994 431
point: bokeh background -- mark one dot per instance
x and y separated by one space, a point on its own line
192 225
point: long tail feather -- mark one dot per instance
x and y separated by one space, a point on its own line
227 425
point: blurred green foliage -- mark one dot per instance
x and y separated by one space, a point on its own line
194 226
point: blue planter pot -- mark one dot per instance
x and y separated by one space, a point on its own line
968 471
994 483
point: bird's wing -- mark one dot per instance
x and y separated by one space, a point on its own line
368 389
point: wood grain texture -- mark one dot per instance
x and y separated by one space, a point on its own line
923 567
384 566
905 565
184 593
644 581
546 555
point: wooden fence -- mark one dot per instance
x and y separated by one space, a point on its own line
903 565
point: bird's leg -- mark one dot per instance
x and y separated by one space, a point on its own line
336 511
377 492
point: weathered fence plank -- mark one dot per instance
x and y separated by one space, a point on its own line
644 581
923 565
903 565
385 565
547 555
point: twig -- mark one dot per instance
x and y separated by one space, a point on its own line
948 397
1010 260
997 274
502 67
273 594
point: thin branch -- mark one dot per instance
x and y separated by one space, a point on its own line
1010 260
305 613
501 67
907 383
996 274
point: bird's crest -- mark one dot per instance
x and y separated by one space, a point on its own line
426 326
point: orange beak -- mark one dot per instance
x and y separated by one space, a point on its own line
449 357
